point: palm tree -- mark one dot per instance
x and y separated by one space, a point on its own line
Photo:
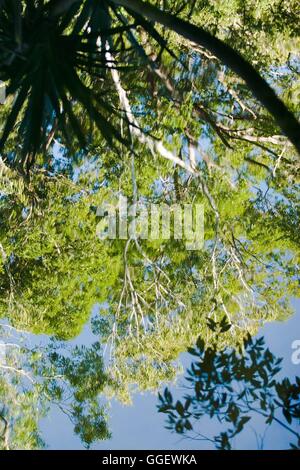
44 67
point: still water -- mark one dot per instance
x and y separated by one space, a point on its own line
139 426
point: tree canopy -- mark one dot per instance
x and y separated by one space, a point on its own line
167 103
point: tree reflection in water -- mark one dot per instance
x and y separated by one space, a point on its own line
102 103
232 386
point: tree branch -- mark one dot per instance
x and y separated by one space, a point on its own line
259 87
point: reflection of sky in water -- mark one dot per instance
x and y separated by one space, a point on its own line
139 426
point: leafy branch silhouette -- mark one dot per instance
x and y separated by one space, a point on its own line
232 387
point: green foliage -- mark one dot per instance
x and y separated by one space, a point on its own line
33 379
54 264
69 145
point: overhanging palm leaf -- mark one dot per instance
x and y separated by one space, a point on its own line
44 67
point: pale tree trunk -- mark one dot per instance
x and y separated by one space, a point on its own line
155 146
